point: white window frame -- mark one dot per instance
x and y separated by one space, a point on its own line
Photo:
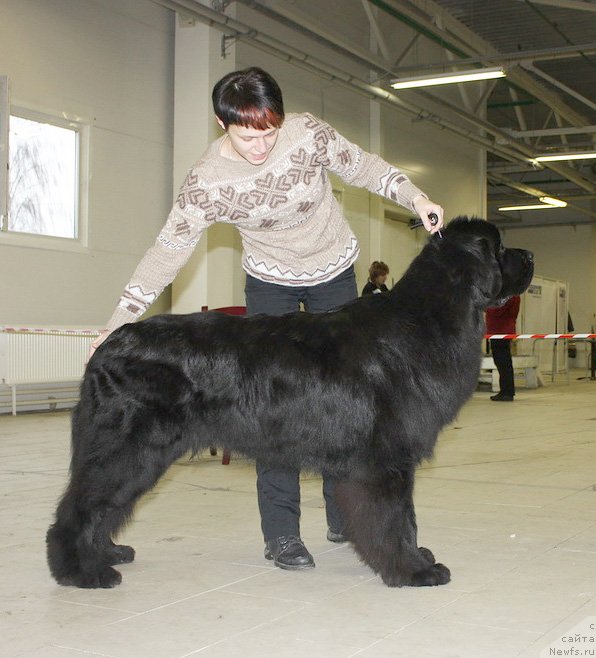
4 117
62 120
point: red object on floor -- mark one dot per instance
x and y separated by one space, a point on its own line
230 310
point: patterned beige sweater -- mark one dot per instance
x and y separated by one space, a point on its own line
292 228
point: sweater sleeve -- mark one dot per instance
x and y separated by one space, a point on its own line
173 247
359 168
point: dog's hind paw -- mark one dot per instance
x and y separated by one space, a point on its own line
121 554
435 574
104 578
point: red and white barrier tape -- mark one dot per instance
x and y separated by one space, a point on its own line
95 332
514 336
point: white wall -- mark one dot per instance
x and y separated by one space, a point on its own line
111 63
565 253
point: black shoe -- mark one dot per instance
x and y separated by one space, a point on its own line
501 397
336 537
289 553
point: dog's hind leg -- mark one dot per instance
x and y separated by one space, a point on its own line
77 553
381 524
99 500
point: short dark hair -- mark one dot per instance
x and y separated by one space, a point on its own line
250 98
377 268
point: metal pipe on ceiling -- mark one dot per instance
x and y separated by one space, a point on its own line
552 132
501 136
425 13
504 224
232 27
317 33
580 5
518 57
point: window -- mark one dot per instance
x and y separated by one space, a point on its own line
40 196
42 178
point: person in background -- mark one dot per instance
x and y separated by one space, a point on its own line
377 275
501 320
268 176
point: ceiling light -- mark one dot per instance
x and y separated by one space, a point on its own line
538 206
550 201
565 156
547 202
447 78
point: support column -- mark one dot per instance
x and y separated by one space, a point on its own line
208 279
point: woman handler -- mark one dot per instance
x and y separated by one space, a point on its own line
267 175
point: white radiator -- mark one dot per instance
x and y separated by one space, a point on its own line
42 356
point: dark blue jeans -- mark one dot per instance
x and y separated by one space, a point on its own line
278 490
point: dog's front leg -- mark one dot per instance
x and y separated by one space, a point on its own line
381 524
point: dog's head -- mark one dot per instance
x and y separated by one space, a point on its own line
497 272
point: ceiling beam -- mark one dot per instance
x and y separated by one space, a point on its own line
286 15
536 192
560 85
442 27
505 223
550 132
376 30
517 57
514 152
580 5
280 49
525 153
516 185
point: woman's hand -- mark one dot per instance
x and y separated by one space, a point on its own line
425 207
98 341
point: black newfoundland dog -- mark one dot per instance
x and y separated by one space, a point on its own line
361 392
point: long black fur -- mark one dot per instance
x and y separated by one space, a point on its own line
361 392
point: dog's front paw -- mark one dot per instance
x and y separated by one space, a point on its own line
435 574
121 554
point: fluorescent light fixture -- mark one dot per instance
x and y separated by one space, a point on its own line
538 206
547 202
565 156
550 201
447 78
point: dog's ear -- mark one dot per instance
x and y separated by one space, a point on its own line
490 287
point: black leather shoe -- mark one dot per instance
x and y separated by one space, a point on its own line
501 397
289 553
336 537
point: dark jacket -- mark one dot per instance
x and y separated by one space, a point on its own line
372 289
